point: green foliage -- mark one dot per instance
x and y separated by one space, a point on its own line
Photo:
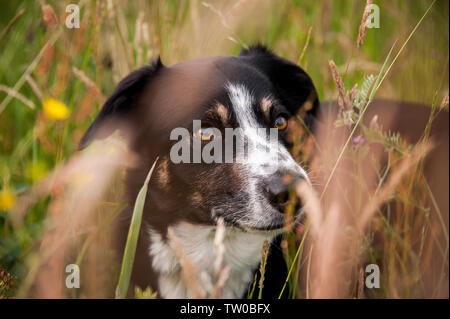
148 293
132 239
363 95
105 49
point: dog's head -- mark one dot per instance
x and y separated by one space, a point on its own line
209 122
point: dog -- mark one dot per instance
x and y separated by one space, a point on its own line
256 89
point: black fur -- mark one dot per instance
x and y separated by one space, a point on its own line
124 98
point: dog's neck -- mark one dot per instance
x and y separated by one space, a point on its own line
242 254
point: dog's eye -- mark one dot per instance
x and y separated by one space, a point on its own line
281 123
205 134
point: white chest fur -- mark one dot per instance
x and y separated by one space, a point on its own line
242 253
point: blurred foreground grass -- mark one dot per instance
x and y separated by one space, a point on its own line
71 71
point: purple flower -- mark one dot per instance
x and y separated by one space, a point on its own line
358 140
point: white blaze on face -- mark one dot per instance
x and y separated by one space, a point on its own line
264 155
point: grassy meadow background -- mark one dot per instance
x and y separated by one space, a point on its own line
53 80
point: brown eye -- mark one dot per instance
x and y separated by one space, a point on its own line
205 134
281 123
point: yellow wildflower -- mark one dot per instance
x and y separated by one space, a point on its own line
55 109
7 199
36 170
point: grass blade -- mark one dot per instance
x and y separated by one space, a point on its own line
253 286
10 25
133 234
300 247
262 268
404 44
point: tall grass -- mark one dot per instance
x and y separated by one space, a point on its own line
48 217
132 239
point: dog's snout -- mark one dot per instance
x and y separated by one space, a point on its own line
280 190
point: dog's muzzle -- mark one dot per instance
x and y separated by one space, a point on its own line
280 191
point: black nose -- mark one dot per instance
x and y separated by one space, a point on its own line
280 191
280 200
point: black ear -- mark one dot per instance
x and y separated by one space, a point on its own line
122 103
293 85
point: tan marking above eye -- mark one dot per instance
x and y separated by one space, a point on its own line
281 123
205 134
266 104
223 112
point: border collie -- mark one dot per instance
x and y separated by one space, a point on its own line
254 90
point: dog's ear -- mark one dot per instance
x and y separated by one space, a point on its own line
120 108
292 84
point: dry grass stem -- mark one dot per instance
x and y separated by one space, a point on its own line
187 268
388 189
363 25
339 84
